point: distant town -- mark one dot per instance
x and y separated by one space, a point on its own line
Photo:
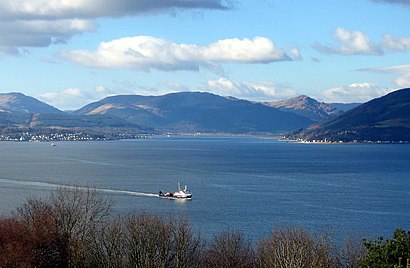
67 136
325 141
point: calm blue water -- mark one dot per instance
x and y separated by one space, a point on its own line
249 184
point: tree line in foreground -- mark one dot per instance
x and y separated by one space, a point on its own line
74 228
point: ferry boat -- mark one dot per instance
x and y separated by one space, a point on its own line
180 194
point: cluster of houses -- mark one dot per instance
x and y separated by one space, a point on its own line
27 136
68 136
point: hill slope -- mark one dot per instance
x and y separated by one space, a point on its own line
344 107
308 107
196 112
382 119
20 103
19 110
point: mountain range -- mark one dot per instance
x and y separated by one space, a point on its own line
384 119
187 112
196 112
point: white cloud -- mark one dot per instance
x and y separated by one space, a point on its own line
104 91
69 98
357 92
75 98
261 91
46 9
295 54
146 52
34 23
37 33
358 43
351 43
403 80
398 44
401 72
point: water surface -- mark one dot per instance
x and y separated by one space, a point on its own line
249 184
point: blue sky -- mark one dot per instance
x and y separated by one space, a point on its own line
72 52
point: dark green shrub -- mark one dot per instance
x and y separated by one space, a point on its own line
387 253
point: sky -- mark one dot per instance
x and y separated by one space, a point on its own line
69 53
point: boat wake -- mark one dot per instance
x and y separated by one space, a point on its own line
126 192
48 185
30 183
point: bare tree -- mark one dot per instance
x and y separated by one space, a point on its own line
48 248
229 249
16 247
107 245
325 253
76 212
296 248
352 252
72 229
187 248
148 241
288 248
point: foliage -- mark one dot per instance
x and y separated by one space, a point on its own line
388 253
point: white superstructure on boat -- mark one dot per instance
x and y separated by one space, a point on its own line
183 194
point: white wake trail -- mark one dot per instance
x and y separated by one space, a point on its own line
48 185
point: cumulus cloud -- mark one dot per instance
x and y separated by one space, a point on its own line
103 91
357 92
146 52
398 44
351 43
358 43
261 91
68 98
75 98
295 54
401 72
27 23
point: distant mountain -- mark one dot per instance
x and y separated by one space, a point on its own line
22 104
307 107
196 112
382 119
19 110
78 121
344 106
8 119
67 121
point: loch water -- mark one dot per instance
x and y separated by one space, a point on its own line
250 184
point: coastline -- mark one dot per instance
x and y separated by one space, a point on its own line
302 141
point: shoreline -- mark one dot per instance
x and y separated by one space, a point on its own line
345 142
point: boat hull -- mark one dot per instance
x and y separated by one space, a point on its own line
180 194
